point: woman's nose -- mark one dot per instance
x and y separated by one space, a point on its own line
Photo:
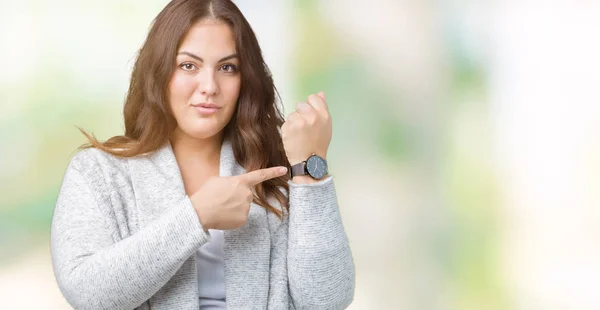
207 83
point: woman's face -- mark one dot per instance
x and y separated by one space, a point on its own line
205 84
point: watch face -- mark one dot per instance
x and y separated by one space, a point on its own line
316 167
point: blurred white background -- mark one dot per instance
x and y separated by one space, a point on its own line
466 148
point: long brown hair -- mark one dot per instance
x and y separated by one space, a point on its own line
254 127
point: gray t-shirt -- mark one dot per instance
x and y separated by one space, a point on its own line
211 272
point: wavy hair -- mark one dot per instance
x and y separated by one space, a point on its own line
256 123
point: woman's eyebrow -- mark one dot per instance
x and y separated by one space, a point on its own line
201 60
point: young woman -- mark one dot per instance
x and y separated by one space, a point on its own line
194 207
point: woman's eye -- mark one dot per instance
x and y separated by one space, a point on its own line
187 66
229 68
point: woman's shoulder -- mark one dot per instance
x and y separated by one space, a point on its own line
93 162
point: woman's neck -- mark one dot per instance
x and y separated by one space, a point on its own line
189 150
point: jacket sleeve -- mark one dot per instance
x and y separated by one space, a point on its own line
279 297
320 268
94 271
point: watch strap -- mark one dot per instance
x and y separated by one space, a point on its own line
298 169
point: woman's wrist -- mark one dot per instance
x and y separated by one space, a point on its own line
204 224
305 179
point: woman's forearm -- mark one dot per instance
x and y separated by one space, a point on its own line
320 264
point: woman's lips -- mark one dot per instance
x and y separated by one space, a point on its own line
206 109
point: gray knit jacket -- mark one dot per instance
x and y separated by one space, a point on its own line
124 236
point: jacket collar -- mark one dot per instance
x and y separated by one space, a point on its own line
164 159
246 250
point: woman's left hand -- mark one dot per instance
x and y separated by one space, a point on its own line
307 130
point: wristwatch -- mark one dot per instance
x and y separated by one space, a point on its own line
315 166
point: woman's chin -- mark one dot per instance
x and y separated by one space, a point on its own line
202 132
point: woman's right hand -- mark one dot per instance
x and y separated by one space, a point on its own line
224 202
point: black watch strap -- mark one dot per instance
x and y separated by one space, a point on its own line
298 169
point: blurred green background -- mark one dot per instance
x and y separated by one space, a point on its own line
466 146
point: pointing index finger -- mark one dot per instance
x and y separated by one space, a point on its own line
256 177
